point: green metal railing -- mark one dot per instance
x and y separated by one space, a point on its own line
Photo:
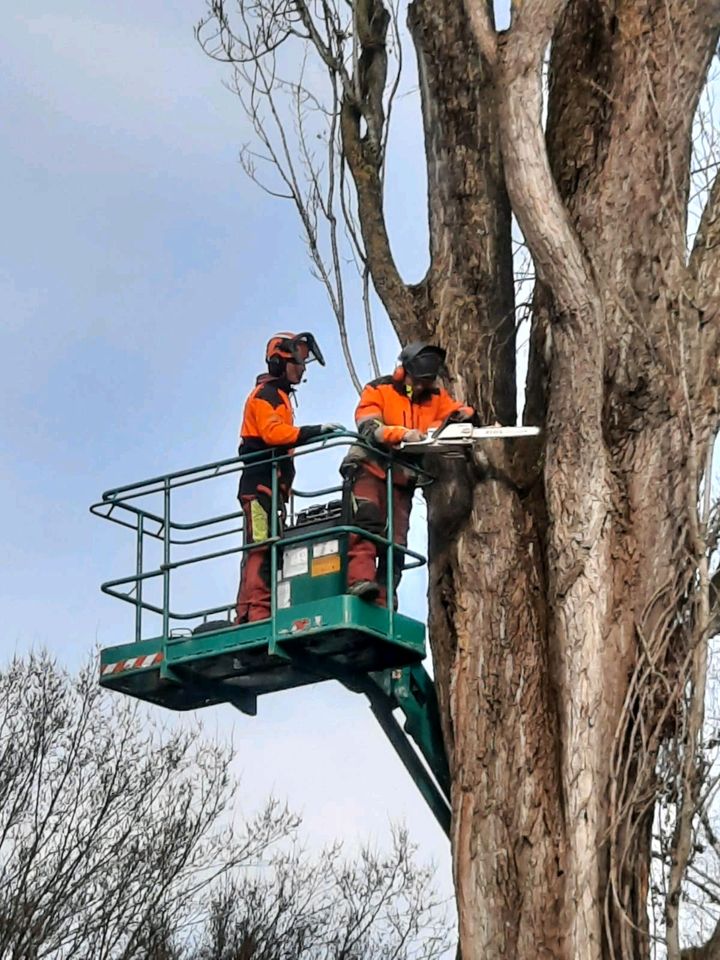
120 505
408 689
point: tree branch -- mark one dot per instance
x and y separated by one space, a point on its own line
480 14
559 258
396 296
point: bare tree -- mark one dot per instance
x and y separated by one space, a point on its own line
329 908
106 822
569 584
117 842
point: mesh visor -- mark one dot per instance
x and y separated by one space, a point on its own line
426 365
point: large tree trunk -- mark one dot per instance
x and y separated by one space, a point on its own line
557 575
488 619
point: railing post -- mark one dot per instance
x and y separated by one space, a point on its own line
166 558
390 586
273 557
138 582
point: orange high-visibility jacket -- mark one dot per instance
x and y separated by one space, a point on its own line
269 424
390 404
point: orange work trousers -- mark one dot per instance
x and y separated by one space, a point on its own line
253 597
367 560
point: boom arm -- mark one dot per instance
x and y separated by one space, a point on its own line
411 690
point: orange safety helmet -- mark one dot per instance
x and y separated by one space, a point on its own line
286 347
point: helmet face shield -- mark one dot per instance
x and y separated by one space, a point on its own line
423 362
305 349
294 348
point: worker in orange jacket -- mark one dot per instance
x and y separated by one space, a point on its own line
392 409
268 425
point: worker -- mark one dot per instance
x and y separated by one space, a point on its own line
268 425
392 410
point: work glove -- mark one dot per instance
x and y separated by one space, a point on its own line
392 436
331 427
463 415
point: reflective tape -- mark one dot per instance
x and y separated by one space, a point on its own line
132 663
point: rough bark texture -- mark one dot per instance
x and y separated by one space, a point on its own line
487 613
558 569
467 294
624 84
552 606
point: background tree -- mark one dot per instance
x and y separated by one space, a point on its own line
570 606
117 842
328 908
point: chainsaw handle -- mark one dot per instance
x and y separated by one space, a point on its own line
445 423
450 418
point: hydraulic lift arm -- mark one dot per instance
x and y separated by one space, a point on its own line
411 690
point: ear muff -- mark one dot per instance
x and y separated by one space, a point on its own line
276 366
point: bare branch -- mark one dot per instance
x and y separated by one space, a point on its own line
368 322
396 296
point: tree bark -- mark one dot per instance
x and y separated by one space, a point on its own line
467 293
629 409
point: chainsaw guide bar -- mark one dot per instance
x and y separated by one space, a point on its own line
464 435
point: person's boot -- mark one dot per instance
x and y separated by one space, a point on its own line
365 589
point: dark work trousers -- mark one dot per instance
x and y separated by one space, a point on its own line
369 499
253 598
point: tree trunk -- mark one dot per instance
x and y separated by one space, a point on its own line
466 299
557 574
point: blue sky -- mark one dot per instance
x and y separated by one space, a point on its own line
140 275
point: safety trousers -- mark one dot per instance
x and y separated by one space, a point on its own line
253 598
369 498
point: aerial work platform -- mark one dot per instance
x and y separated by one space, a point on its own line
314 641
194 658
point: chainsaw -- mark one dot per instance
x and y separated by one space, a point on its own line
454 435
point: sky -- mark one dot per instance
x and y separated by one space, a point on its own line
140 275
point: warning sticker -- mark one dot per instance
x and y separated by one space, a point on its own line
323 565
